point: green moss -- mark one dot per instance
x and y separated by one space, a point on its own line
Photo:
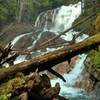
7 88
3 97
95 59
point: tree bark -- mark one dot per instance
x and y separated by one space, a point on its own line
48 60
21 7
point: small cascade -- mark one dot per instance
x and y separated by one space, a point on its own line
67 89
46 19
18 38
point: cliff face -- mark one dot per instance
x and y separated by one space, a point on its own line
91 79
93 69
94 66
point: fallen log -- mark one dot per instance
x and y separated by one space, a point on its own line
48 60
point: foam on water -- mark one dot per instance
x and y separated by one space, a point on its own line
20 59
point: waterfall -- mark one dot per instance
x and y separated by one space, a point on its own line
56 21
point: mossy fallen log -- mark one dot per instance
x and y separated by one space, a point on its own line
48 60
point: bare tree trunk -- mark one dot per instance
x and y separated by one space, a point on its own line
48 60
82 6
21 6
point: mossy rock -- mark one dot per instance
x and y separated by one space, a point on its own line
95 59
3 97
7 88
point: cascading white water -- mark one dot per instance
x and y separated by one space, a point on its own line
62 19
67 89
66 16
19 37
